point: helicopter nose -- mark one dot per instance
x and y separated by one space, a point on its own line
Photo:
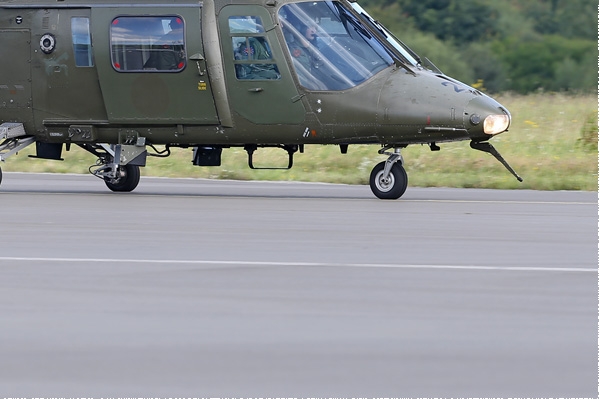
487 118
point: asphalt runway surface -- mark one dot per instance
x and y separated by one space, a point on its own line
200 288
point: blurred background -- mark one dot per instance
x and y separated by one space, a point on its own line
501 45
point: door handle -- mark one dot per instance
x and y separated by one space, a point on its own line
198 57
256 89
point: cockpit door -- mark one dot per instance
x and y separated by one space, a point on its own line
259 81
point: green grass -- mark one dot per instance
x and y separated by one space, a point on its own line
552 144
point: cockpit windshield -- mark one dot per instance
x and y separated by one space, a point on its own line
330 47
407 53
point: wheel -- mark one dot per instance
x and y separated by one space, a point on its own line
127 182
0 175
391 188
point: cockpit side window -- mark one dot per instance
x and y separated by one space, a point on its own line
329 47
251 50
148 44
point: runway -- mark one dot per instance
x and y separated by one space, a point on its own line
201 288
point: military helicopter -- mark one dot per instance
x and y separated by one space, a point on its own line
125 81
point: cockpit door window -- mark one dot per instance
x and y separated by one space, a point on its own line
251 49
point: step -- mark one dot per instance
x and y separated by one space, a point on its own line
9 130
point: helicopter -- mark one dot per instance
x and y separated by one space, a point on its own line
128 81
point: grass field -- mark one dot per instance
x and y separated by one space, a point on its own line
552 144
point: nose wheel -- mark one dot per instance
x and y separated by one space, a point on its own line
388 185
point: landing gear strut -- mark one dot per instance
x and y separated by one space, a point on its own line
118 177
388 179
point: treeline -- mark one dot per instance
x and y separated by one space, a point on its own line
501 45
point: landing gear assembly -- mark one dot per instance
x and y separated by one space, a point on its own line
122 176
388 179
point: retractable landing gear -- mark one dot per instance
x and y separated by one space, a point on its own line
117 177
388 179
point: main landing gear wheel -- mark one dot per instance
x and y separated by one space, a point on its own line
128 179
392 187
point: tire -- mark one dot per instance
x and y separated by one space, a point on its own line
394 187
126 183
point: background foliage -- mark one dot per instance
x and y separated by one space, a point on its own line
503 45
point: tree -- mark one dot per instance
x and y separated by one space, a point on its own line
552 63
508 44
487 67
571 19
453 20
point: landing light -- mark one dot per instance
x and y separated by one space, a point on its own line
495 124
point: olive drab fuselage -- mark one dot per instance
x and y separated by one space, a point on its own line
116 78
